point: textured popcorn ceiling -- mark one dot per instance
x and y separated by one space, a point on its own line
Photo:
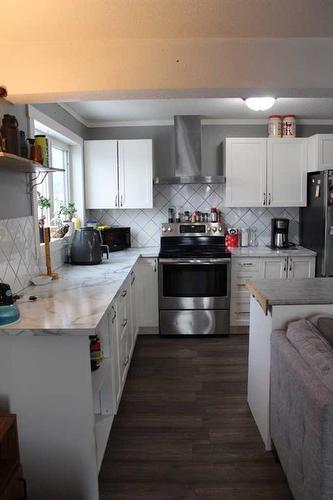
146 224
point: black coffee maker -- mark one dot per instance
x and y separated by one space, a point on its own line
279 234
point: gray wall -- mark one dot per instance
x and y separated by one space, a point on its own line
212 137
14 200
60 115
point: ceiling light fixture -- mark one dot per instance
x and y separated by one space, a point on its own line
259 103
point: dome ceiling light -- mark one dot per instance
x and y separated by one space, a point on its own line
259 103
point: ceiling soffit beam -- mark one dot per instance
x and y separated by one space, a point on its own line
71 71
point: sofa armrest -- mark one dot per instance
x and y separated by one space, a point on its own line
301 417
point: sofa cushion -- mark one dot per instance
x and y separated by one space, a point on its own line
325 325
313 348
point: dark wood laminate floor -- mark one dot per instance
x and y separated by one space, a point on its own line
184 430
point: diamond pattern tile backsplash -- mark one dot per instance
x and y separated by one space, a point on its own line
146 224
17 252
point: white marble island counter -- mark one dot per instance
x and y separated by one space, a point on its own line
78 300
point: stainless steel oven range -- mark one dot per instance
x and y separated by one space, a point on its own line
194 280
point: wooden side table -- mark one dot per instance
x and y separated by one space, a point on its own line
12 484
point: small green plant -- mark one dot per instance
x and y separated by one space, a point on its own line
67 211
43 202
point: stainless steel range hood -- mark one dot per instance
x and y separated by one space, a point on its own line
188 168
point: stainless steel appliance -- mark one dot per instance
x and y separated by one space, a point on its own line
194 280
116 238
87 247
279 234
188 158
316 220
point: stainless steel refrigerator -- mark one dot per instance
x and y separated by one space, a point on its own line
316 220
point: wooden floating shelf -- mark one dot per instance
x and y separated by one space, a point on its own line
16 163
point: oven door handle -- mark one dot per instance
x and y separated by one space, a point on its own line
195 261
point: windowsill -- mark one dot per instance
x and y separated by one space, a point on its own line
56 241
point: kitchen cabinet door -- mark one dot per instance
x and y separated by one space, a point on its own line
320 152
134 324
301 267
287 172
101 174
274 268
115 361
147 293
245 171
135 160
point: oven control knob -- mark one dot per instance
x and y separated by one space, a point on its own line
169 229
220 228
163 229
209 229
214 229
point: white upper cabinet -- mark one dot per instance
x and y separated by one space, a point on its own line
135 159
245 171
101 174
266 172
320 152
119 174
287 172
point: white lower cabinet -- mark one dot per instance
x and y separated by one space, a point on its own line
273 268
147 293
301 267
246 269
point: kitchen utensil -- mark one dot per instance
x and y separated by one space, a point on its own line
10 134
87 246
9 312
41 140
244 238
47 237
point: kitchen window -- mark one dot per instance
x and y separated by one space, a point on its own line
55 187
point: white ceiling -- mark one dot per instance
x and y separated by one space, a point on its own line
99 113
61 20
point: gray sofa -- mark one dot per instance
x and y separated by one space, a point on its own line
302 406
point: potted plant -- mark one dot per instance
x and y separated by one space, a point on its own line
66 213
43 204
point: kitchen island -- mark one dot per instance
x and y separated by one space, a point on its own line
273 305
64 410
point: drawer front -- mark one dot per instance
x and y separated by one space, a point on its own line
242 265
241 306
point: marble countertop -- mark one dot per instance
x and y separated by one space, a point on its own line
268 252
78 300
292 292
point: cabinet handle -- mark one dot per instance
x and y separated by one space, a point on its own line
121 200
124 293
155 266
114 314
264 199
133 279
126 361
269 198
124 323
290 264
247 264
285 264
116 200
